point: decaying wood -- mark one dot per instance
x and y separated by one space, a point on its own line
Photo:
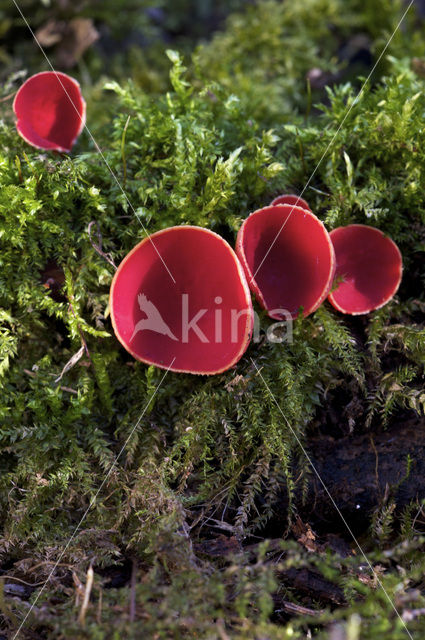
313 584
363 473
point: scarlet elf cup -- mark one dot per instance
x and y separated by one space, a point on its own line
50 111
288 259
290 198
369 267
180 300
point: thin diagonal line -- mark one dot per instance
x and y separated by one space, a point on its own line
355 101
98 149
331 498
92 501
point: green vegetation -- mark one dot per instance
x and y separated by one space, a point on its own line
206 146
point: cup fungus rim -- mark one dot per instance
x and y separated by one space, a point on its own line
331 298
82 115
249 322
253 283
273 203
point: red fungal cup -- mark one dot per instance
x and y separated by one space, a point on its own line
292 199
288 259
202 322
370 266
50 111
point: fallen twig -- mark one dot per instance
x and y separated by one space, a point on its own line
98 247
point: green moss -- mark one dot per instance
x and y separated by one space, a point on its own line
224 138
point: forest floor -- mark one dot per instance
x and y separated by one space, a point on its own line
284 498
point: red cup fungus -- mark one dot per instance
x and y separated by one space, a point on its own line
288 258
290 198
50 111
199 323
369 265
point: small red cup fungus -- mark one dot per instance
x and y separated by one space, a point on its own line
50 111
369 265
288 259
290 198
199 323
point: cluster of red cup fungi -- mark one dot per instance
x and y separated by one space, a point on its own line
292 262
284 254
180 299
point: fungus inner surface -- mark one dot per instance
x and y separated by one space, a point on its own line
209 294
50 115
291 265
369 264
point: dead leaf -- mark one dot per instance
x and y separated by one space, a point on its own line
304 535
71 362
72 39
79 36
51 33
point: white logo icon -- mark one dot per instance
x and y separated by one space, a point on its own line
153 321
